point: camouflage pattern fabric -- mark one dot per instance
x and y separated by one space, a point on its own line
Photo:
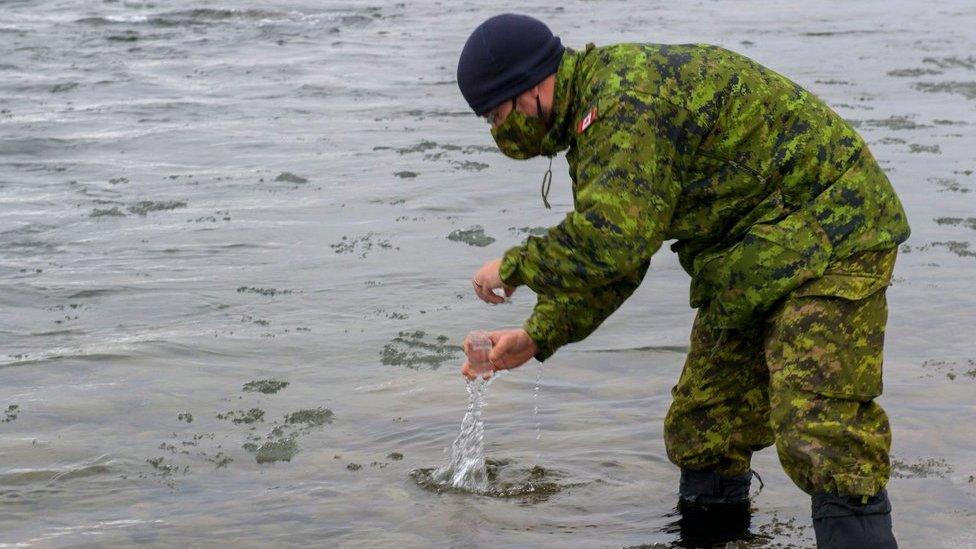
782 218
805 377
758 181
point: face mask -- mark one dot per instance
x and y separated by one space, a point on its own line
520 136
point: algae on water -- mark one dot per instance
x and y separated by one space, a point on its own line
924 468
266 386
310 417
472 236
289 177
411 349
270 292
146 206
10 413
277 450
247 417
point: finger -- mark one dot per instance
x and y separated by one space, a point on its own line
483 294
466 371
509 290
501 292
489 296
478 291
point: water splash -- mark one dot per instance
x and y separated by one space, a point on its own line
535 411
466 469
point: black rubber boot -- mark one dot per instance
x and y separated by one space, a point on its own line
714 509
842 522
703 490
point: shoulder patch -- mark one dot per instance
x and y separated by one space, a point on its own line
586 121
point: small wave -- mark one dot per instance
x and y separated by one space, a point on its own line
58 333
37 146
109 19
57 354
26 229
209 16
21 477
96 292
85 530
30 247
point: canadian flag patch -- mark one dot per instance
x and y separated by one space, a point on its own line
587 120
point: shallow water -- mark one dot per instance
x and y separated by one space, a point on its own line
199 197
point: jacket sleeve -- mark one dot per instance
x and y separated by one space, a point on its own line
625 193
559 319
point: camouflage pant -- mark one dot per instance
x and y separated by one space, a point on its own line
804 377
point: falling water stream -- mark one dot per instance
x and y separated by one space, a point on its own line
466 468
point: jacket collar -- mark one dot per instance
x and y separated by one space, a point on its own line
560 132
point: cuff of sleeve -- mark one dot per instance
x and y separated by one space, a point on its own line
509 269
545 333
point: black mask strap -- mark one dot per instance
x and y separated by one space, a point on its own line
540 114
546 177
546 184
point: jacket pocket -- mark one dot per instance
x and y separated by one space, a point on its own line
770 261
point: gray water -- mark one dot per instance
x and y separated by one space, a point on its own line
197 196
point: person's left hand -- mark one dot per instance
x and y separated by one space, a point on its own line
487 279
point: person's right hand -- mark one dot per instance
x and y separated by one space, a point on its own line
509 349
487 280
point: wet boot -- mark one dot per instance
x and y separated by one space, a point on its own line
842 522
714 508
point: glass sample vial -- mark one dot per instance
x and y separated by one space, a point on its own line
477 345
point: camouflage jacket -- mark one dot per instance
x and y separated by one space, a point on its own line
760 184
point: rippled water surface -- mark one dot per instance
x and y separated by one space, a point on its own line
236 240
